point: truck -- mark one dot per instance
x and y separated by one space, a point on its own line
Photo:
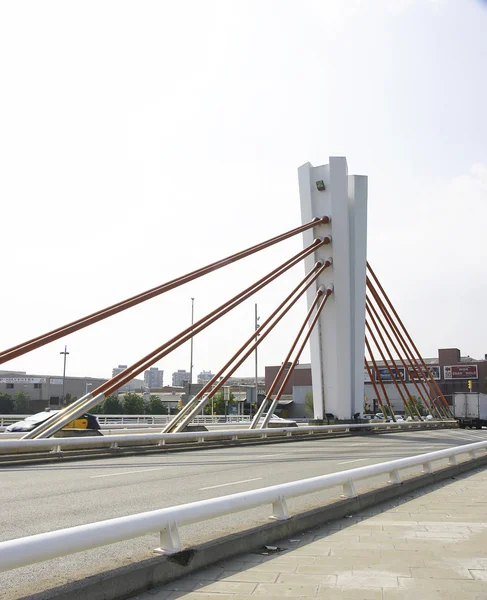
470 409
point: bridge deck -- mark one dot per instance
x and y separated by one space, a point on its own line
432 545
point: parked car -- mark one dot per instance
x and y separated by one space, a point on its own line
86 421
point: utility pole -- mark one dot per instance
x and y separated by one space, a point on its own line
64 371
191 352
256 324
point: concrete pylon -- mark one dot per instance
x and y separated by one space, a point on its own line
337 341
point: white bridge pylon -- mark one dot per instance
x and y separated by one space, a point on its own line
337 341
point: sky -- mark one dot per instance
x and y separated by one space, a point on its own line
142 140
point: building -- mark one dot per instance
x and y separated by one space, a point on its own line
180 378
130 386
205 376
46 390
450 370
153 378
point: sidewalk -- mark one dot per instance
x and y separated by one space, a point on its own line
428 545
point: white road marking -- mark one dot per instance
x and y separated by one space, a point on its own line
126 472
351 461
212 487
268 455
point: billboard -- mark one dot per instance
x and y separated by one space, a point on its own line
461 372
56 381
22 380
399 373
433 369
366 376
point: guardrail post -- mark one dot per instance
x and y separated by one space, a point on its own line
280 510
453 461
472 454
395 477
349 490
427 467
114 446
56 449
170 540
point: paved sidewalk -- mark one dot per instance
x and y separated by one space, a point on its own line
428 545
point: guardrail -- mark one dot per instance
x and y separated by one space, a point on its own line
112 442
44 546
143 419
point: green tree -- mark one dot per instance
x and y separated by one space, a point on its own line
6 404
68 398
21 403
309 409
112 406
416 406
219 404
155 406
133 404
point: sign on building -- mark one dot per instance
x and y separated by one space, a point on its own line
366 377
461 372
433 369
399 373
56 381
22 380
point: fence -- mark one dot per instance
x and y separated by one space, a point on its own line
166 521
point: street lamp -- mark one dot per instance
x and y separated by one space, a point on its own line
191 352
86 388
256 323
64 371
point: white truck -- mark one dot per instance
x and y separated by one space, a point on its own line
470 409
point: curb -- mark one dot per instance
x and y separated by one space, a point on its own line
130 580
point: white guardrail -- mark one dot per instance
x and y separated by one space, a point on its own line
56 445
143 419
166 521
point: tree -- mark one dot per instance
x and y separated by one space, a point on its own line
6 404
133 404
21 403
309 409
112 406
416 406
155 406
69 398
219 403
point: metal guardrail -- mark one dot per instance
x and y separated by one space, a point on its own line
112 442
143 419
44 546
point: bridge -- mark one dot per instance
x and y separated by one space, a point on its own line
60 508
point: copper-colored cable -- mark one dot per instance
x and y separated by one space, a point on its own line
217 381
431 378
376 390
371 354
64 330
370 307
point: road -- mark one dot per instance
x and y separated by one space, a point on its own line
48 497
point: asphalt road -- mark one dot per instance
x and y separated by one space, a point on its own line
42 498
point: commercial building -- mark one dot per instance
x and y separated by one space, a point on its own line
153 378
205 376
46 390
451 371
180 378
130 386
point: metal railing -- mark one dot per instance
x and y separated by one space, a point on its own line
44 546
112 442
147 419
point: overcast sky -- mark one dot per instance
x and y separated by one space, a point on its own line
142 140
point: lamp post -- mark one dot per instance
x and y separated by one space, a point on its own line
256 323
191 353
88 385
64 371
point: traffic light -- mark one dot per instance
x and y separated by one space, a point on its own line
469 384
